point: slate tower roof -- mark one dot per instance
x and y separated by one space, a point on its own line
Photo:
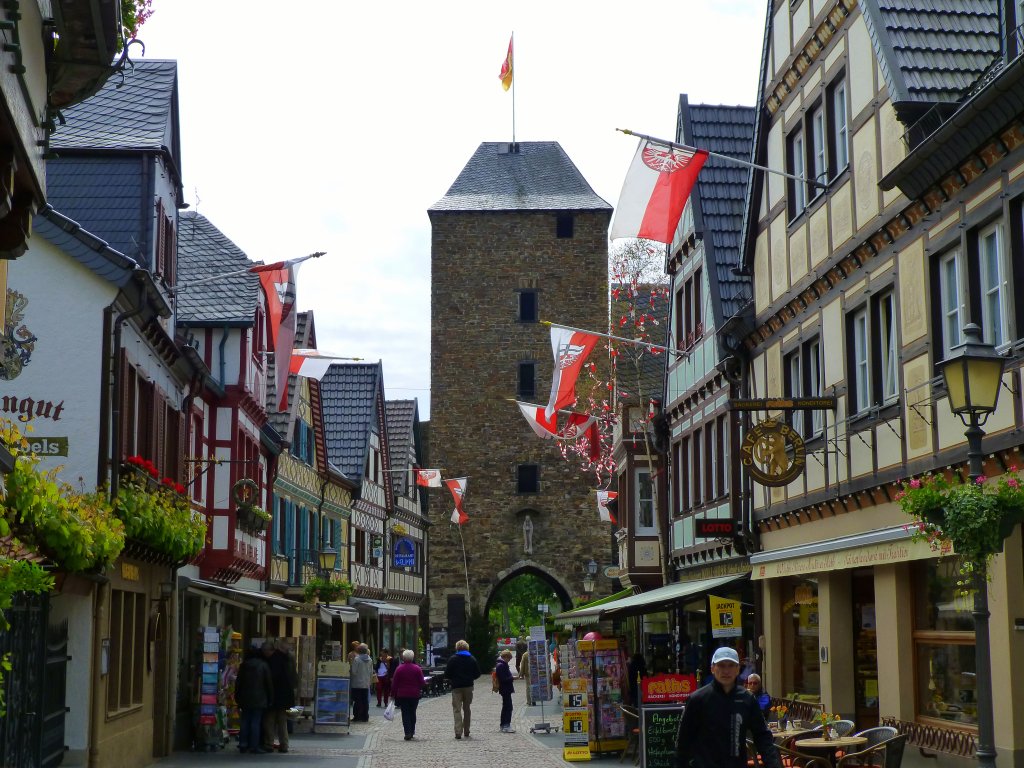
350 397
525 176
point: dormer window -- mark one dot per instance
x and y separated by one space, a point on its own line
164 258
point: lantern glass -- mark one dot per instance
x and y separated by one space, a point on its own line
328 558
972 374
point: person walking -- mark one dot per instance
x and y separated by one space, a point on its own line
254 691
361 677
505 689
407 687
383 677
462 671
285 677
712 730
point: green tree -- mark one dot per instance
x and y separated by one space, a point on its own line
518 600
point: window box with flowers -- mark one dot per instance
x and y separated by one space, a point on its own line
254 518
971 517
157 514
327 590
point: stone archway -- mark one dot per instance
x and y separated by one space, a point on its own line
558 584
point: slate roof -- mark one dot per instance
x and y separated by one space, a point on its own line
402 416
138 114
932 50
349 394
84 247
720 194
651 379
539 177
204 251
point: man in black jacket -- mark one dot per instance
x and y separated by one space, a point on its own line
712 731
462 671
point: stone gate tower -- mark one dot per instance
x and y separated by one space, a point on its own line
520 236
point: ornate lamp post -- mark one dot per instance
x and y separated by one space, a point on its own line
973 374
328 559
588 578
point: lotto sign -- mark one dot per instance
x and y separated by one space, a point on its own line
726 617
575 720
576 727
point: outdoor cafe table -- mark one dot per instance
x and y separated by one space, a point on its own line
831 745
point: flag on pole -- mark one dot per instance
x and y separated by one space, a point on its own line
310 363
278 282
576 425
428 478
656 189
603 497
458 488
570 349
506 68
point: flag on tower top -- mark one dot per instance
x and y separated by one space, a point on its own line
506 68
657 186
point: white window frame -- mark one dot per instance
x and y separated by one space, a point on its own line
639 501
994 287
842 128
799 187
814 382
861 361
953 312
818 148
796 387
889 347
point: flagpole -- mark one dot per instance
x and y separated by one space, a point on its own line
659 347
465 565
232 273
513 44
560 410
727 158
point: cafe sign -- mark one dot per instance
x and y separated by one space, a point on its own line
405 553
773 453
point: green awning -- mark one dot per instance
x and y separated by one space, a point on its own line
582 614
646 602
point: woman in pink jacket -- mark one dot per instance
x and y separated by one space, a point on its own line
406 687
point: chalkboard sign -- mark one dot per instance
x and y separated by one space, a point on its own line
331 701
658 726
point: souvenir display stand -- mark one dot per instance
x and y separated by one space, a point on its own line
602 664
219 654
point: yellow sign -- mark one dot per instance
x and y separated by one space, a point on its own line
726 617
129 571
576 754
576 724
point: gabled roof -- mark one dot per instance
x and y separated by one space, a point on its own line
204 251
350 394
304 339
932 51
720 196
535 176
402 416
138 114
83 246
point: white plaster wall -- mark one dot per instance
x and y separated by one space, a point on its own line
76 609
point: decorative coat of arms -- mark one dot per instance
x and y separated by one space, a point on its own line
17 342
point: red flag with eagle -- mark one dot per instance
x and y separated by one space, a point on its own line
603 497
428 478
576 425
506 68
458 488
570 349
278 282
657 186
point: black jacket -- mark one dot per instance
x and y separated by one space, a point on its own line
285 678
462 670
505 684
254 688
713 729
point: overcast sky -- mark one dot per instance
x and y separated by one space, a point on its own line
333 126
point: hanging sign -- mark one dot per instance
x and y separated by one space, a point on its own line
714 528
244 493
405 553
773 453
726 617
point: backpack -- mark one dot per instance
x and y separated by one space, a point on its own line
494 681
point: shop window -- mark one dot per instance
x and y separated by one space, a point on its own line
126 654
801 671
944 645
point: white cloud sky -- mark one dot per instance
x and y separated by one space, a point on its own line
333 126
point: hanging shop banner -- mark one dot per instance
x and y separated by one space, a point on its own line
726 617
773 453
405 553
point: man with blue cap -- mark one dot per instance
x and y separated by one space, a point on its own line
712 731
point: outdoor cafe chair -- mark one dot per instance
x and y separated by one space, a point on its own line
885 754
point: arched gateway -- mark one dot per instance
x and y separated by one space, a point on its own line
519 237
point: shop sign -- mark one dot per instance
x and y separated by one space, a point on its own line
855 557
129 571
614 571
48 446
405 553
726 617
714 528
244 493
773 453
665 689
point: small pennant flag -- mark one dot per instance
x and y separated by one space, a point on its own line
576 425
310 363
570 349
506 68
657 186
278 283
603 497
428 478
458 488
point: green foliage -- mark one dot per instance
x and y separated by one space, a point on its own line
159 515
134 14
327 590
518 599
972 518
482 637
17 576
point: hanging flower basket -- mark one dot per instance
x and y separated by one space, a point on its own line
157 513
327 590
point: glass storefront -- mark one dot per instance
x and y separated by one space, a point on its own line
944 646
801 671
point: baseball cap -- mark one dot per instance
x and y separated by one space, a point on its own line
725 654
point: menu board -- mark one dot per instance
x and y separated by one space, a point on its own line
658 727
331 701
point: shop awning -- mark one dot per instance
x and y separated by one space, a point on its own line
250 599
378 608
648 602
341 612
575 618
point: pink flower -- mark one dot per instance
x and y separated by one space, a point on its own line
980 479
915 483
1013 483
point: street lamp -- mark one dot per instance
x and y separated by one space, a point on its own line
588 579
328 559
973 374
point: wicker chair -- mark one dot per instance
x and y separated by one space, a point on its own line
789 758
877 735
885 754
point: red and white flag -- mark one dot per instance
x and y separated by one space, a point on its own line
576 424
603 497
458 488
570 349
278 282
428 478
655 191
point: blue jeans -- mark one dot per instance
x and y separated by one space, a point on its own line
249 733
408 707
